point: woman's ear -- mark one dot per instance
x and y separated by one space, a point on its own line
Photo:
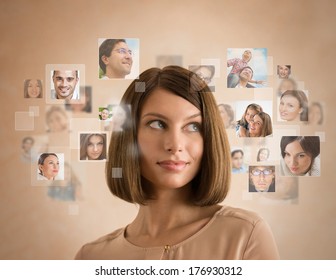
40 168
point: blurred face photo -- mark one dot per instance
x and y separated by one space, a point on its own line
50 167
263 155
95 147
225 116
65 82
205 74
237 160
283 71
315 115
285 85
57 121
247 55
120 61
27 145
289 108
261 178
296 159
34 89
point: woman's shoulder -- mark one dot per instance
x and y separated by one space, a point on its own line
89 250
239 214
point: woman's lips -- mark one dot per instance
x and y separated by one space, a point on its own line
172 165
294 169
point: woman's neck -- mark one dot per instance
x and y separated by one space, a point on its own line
168 219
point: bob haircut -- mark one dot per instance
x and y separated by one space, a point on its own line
42 159
84 142
310 144
25 88
251 106
267 124
303 101
211 184
105 49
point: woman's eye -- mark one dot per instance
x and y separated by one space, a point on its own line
156 124
302 155
193 127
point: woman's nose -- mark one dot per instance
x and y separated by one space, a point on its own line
173 142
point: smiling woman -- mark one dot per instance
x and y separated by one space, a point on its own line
175 161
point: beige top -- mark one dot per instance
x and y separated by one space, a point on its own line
231 234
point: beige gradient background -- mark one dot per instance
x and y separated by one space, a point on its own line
36 33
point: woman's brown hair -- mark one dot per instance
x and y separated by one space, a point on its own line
267 124
211 184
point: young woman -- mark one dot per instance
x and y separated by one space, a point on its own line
260 126
175 162
263 154
227 115
57 119
93 146
293 106
48 166
242 126
300 155
33 88
315 116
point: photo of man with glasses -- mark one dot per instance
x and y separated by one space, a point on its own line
115 59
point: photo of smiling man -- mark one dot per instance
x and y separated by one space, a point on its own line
118 58
65 84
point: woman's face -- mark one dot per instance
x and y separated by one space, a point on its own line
283 71
237 160
260 180
27 145
34 89
170 140
205 74
296 159
289 108
105 114
95 147
118 118
263 155
50 167
57 122
250 114
247 55
225 116
255 127
315 115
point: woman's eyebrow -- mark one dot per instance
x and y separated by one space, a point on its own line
165 118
